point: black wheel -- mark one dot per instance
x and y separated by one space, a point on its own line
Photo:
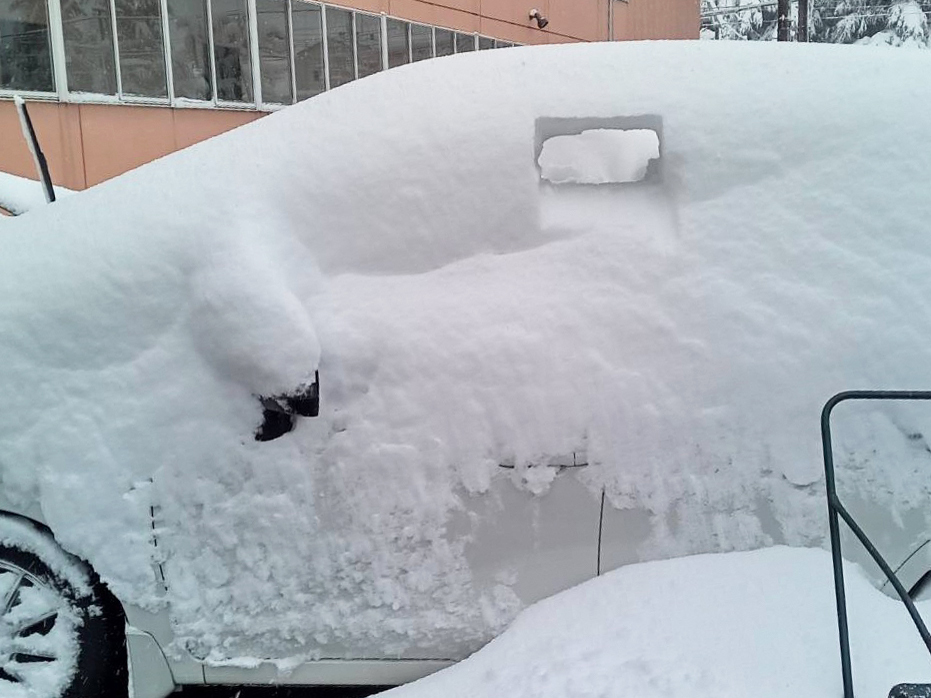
57 641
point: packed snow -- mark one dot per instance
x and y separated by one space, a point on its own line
20 194
680 334
761 623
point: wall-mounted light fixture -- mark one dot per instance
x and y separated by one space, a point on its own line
541 20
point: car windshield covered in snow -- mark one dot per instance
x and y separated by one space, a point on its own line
556 309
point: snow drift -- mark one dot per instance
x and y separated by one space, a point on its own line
723 626
395 234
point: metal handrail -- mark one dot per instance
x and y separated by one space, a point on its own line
836 508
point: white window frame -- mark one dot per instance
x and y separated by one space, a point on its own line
254 104
166 54
326 49
456 44
384 42
290 24
381 33
54 22
166 42
260 102
253 21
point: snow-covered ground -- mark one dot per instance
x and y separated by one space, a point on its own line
760 623
19 194
680 335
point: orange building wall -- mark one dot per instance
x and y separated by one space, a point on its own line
657 19
88 143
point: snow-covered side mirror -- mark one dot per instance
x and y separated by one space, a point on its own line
598 151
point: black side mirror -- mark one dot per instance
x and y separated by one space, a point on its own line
278 412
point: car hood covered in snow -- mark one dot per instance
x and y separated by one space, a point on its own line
395 234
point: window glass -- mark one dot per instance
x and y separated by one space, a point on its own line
190 50
231 50
444 42
308 48
142 52
89 46
340 46
399 48
274 50
421 42
502 44
368 44
464 42
25 52
485 43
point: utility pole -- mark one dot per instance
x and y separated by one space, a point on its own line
782 33
801 32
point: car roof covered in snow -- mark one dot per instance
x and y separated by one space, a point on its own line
396 234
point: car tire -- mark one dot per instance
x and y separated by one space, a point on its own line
55 641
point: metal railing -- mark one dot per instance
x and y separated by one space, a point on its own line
837 509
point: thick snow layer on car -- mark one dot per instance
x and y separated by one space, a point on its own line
19 194
761 623
395 233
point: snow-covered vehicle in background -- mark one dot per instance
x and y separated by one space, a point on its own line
571 307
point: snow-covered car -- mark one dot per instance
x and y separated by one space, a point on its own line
557 309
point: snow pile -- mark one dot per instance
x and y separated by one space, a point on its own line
19 194
721 626
681 334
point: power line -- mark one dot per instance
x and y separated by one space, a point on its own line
728 10
881 10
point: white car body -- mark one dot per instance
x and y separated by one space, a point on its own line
523 384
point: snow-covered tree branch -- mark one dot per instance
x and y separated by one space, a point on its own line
893 22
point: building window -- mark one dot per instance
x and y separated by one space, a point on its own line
190 49
274 51
421 42
444 42
399 47
340 51
464 42
88 34
141 49
309 68
232 60
25 51
303 48
368 44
